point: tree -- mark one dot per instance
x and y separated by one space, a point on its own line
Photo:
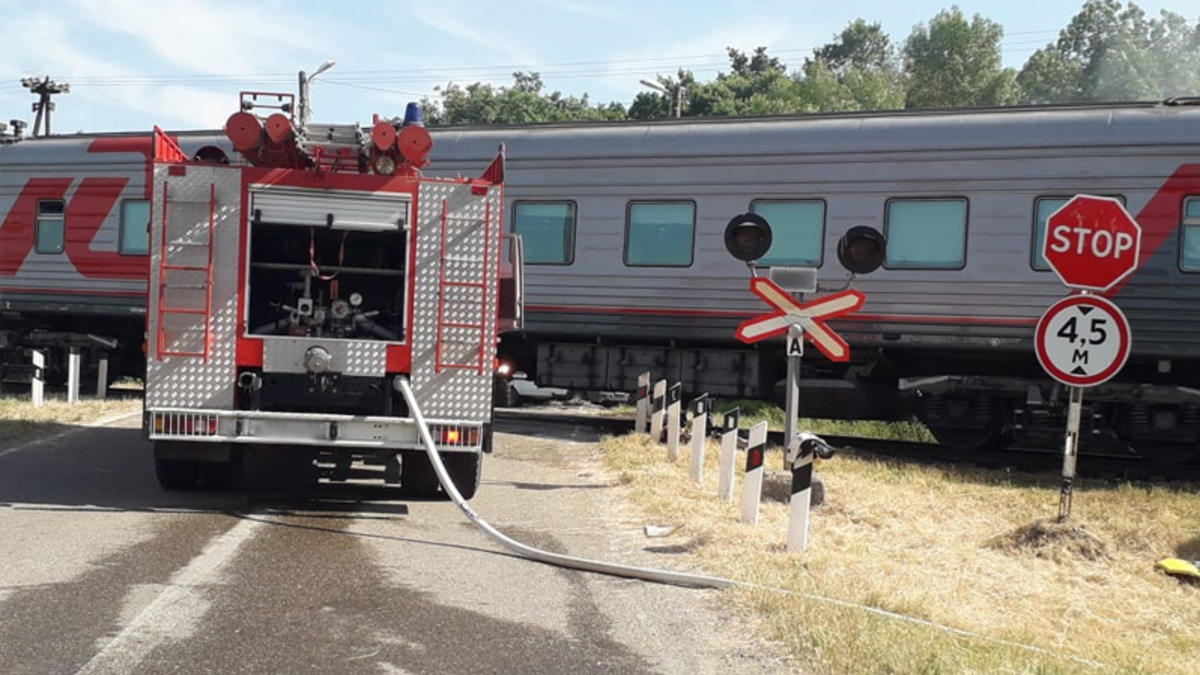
952 62
1111 51
523 102
858 70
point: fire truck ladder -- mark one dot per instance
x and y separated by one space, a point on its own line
485 292
164 284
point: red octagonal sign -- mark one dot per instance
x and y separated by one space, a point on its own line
1092 242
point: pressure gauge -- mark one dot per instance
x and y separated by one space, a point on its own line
356 299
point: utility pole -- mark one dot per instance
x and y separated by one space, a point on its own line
305 79
674 96
45 88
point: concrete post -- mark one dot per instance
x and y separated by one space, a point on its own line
73 362
37 386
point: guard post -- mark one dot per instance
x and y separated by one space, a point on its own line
102 377
802 449
729 443
658 410
643 403
699 436
673 412
752 486
73 362
37 383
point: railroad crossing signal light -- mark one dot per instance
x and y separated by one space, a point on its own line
748 237
861 249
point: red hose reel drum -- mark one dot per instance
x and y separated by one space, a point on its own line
244 131
415 143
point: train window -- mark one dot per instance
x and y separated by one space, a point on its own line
926 233
660 234
135 227
49 230
1189 256
547 231
1043 208
797 228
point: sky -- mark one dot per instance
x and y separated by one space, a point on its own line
180 64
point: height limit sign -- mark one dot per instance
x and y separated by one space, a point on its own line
1083 340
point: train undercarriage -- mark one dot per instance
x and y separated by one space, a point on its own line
1156 417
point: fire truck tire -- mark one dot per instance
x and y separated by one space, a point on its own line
466 470
176 474
417 477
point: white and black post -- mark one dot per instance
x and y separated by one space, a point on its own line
73 362
1070 452
699 436
643 403
756 448
799 456
37 384
658 410
729 443
674 411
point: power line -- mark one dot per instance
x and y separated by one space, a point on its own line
443 74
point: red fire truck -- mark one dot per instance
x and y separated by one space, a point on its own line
291 293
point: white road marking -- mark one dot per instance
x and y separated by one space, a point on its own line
176 612
69 432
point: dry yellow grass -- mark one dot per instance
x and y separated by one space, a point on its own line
960 547
20 421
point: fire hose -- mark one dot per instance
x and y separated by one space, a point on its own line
666 576
557 559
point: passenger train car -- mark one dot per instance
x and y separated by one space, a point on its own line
626 270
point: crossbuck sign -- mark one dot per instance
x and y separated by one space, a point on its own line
810 317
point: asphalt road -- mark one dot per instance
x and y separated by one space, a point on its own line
102 572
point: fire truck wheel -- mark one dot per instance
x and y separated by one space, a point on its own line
466 470
176 474
417 477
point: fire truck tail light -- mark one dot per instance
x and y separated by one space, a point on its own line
185 424
456 436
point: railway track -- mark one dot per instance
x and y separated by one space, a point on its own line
1107 467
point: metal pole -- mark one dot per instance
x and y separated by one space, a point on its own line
303 99
1070 452
102 378
791 417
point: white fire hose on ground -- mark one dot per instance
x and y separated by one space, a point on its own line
665 576
661 576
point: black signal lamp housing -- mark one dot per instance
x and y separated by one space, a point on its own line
748 237
861 250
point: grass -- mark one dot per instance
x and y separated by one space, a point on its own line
962 547
20 421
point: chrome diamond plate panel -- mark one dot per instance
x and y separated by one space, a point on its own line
455 393
358 358
187 381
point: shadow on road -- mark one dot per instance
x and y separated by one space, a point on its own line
112 468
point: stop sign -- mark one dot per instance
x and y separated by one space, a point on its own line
1092 242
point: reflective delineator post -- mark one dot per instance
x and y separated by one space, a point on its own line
699 436
37 385
102 378
73 360
729 443
791 416
1070 452
800 456
674 410
643 403
658 410
756 448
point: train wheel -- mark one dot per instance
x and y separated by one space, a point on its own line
969 440
1162 452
